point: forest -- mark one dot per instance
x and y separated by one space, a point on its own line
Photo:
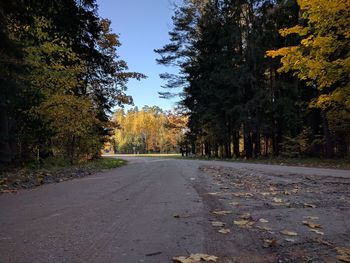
149 130
60 79
255 78
262 77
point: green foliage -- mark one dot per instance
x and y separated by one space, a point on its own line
62 77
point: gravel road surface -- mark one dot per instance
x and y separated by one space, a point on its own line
150 210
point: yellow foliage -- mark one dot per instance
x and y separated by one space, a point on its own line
322 57
146 130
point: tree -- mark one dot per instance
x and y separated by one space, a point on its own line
322 60
147 130
60 56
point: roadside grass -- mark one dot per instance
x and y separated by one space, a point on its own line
106 163
52 171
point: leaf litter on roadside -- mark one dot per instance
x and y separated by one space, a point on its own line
269 243
195 258
221 212
306 205
263 220
244 223
311 224
217 224
288 232
343 254
224 231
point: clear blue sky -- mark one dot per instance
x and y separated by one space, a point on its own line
143 26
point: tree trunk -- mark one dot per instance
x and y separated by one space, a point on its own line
248 147
6 155
236 144
329 149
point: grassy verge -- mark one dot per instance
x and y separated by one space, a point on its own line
52 171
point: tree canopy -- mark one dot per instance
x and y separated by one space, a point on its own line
60 78
149 130
240 97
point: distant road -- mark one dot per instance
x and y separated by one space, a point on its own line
147 211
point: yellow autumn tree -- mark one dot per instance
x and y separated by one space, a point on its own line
147 130
322 58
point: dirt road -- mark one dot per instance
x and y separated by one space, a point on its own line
152 210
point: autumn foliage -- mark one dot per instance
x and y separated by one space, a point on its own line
149 130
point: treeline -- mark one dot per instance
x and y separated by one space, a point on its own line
262 77
60 76
149 130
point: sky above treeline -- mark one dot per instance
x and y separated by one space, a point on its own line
143 26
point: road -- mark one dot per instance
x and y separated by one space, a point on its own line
147 211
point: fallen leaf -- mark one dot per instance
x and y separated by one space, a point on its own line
264 228
343 258
311 224
288 233
243 195
217 224
317 231
234 203
8 191
243 223
324 242
245 216
222 213
224 231
270 242
306 205
343 250
195 258
265 193
262 220
290 240
277 200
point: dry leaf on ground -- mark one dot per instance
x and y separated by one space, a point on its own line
343 258
343 250
317 231
245 216
311 224
344 254
270 242
243 195
224 231
222 213
243 223
263 220
277 200
195 258
264 228
217 224
288 232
